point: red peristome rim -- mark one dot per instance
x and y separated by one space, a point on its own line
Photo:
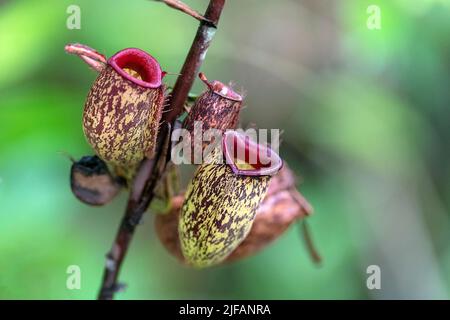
141 62
265 161
221 89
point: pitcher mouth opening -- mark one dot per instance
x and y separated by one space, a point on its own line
137 66
248 158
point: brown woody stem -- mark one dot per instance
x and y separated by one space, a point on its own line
194 59
141 193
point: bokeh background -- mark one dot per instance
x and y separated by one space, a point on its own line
365 115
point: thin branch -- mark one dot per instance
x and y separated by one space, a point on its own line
181 6
151 170
315 256
194 59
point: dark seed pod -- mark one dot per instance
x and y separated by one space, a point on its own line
123 109
281 207
221 201
91 181
166 226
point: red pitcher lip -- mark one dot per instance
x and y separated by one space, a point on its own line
140 61
237 146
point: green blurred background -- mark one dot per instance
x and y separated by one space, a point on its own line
365 115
